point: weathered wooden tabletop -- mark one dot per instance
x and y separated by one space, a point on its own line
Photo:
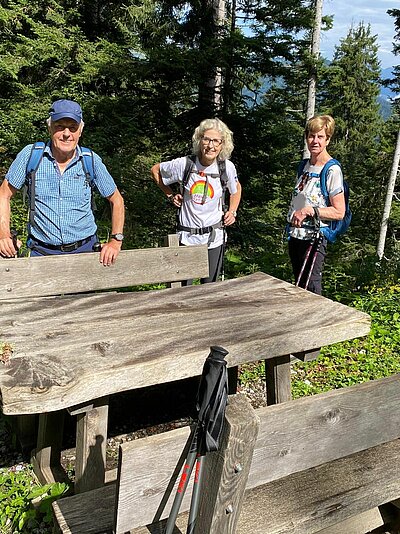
69 350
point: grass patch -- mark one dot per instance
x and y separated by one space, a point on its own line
351 362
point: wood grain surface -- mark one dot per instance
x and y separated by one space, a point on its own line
71 349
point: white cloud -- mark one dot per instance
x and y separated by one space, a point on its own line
350 13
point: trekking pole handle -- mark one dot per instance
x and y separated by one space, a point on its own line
217 352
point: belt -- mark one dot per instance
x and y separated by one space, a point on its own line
69 247
200 231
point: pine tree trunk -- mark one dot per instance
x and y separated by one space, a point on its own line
312 80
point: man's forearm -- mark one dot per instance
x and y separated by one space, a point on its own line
5 213
117 214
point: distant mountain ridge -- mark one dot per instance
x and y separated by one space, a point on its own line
384 98
386 94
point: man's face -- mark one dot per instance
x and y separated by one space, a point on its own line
65 134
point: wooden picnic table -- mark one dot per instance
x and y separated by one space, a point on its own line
73 351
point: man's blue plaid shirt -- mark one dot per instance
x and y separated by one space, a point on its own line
63 211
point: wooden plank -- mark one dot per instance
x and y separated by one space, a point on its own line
76 273
172 240
147 469
66 350
309 501
24 427
46 458
360 524
91 442
91 512
226 472
324 427
277 376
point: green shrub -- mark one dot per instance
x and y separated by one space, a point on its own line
25 506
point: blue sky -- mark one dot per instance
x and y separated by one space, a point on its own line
349 13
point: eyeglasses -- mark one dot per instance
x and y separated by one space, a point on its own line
215 142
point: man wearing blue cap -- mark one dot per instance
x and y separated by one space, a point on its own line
63 221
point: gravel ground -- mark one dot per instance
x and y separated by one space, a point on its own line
123 425
121 432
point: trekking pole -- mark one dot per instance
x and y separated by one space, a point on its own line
317 243
210 404
183 483
194 503
304 263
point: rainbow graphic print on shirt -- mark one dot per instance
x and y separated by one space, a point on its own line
197 191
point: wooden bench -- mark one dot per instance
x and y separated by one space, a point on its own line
68 350
69 277
308 465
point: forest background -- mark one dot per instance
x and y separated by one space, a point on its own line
144 72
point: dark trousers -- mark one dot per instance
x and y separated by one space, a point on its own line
215 258
40 250
298 250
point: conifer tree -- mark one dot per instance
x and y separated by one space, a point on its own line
349 94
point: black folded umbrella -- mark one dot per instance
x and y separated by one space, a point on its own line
212 397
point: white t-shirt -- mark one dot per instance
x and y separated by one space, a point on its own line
202 206
307 192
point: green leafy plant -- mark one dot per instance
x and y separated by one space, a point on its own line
24 504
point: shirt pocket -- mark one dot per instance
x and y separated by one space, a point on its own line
78 187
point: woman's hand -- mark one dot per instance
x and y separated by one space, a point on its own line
176 200
229 218
299 216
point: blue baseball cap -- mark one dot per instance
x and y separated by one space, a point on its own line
61 109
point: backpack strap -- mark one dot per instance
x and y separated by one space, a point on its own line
190 165
88 168
34 160
224 183
323 178
301 166
88 163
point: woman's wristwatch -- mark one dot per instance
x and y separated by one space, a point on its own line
234 212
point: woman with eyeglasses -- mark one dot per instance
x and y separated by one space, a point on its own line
205 181
310 210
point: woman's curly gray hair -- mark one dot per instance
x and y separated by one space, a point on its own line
222 128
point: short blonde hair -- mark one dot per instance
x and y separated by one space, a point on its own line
320 122
222 128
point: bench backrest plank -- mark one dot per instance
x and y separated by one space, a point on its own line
309 501
295 438
145 471
324 427
77 273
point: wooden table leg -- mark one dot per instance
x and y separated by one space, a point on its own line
277 376
91 442
24 427
46 456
